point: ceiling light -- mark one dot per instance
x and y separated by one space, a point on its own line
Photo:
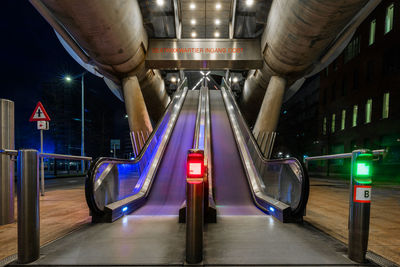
160 2
235 79
217 22
192 6
173 79
249 2
218 6
216 34
194 34
193 21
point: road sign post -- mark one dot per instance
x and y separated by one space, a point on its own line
42 118
360 204
115 144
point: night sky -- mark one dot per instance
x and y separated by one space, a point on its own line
31 56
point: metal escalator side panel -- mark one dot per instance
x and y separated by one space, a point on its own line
269 197
136 175
165 139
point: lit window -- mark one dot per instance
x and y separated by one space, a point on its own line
333 123
324 127
352 49
385 110
389 18
343 124
355 111
372 32
368 111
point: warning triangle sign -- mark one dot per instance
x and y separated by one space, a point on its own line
39 114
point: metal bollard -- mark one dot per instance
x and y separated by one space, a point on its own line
194 206
360 203
28 206
6 164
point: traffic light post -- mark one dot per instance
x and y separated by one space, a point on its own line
194 206
360 204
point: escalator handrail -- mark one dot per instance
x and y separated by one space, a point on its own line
305 179
95 164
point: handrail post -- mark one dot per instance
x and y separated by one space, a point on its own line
195 206
28 206
6 162
360 204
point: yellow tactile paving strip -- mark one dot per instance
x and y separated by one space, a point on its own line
328 209
61 211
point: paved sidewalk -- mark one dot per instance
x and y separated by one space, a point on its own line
328 208
61 211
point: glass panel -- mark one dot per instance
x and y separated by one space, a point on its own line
343 124
389 18
385 111
333 123
368 111
372 32
355 111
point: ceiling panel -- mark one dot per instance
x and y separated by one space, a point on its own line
205 14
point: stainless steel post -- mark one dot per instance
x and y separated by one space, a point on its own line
6 164
28 206
194 222
41 165
83 123
360 203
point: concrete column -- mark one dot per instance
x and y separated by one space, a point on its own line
138 117
6 164
268 116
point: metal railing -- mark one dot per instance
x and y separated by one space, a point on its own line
118 186
28 199
12 152
279 187
9 152
338 156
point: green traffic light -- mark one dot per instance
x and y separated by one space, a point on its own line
363 169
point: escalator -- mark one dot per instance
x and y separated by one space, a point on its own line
168 190
232 192
245 187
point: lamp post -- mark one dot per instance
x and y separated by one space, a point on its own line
70 79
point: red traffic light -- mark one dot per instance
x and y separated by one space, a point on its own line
195 165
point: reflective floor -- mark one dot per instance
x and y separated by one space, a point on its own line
160 240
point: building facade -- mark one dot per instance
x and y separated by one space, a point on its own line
358 100
360 91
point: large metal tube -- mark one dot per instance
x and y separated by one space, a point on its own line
6 164
297 35
28 206
154 93
138 117
111 33
268 116
298 32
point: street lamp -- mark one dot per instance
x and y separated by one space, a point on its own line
69 79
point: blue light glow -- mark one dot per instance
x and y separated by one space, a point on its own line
271 209
124 209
